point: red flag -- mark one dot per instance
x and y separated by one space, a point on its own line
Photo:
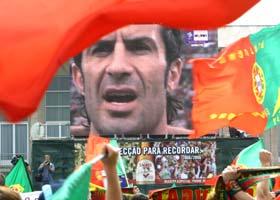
93 148
241 87
37 36
277 184
221 98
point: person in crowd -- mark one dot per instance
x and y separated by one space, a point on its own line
113 191
234 191
26 164
129 74
8 194
135 190
2 179
47 170
140 196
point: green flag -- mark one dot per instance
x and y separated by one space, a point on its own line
249 157
267 72
76 185
120 166
18 178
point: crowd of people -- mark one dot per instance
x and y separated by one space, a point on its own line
114 192
229 186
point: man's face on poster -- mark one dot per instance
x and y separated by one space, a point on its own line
123 81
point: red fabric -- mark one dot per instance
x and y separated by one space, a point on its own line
277 184
93 148
224 94
37 36
212 181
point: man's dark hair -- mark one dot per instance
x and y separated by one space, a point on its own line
140 196
2 179
174 49
173 42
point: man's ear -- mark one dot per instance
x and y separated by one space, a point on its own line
174 74
78 79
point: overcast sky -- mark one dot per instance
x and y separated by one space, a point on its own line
266 12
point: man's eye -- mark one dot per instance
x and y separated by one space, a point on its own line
101 51
138 48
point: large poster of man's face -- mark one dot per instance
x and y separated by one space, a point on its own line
136 80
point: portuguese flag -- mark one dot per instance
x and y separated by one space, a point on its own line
240 87
93 148
37 37
18 178
249 157
76 186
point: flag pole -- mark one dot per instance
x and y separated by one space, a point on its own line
97 158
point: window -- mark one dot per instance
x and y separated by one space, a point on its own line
13 140
58 107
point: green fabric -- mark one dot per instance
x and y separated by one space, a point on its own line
76 185
18 178
120 164
249 157
267 42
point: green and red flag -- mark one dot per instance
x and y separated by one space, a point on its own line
18 178
246 179
38 36
240 87
93 148
249 157
76 185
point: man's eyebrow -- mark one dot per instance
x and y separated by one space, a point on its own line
104 42
100 44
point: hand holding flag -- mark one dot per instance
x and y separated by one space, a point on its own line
76 185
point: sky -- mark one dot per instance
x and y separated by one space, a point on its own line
266 12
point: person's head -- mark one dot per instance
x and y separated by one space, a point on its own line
15 159
8 194
126 76
47 157
140 196
2 179
136 190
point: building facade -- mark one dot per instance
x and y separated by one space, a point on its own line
50 121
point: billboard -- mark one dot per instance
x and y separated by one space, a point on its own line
151 162
162 162
136 80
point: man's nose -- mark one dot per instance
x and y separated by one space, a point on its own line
119 66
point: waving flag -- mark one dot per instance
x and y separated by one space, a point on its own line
76 185
18 178
93 149
120 167
37 36
240 87
249 157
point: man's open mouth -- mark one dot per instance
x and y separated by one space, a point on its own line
119 96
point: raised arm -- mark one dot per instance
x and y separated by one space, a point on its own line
110 162
229 176
263 192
